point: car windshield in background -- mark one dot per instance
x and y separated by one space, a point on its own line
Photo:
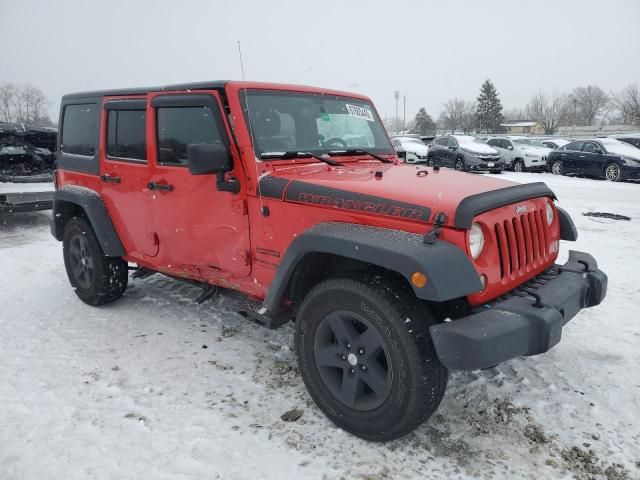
311 122
530 141
620 148
468 140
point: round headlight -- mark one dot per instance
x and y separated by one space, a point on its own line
549 213
476 240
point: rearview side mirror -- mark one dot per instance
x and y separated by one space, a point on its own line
509 147
208 158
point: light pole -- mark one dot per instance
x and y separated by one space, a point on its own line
396 96
404 111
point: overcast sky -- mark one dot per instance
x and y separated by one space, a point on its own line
430 51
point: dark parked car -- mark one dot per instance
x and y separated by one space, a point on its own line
630 138
600 157
464 153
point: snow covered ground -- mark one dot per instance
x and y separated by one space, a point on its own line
157 387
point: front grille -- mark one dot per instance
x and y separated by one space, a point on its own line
523 243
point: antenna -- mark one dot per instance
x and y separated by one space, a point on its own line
246 105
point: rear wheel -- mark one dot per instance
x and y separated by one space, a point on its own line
366 356
459 165
97 279
613 173
518 166
557 168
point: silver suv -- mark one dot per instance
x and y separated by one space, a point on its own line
464 153
521 153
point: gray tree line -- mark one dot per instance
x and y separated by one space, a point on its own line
23 103
583 106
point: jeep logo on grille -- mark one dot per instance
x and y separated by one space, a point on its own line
521 209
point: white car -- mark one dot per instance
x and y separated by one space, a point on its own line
554 142
415 149
521 153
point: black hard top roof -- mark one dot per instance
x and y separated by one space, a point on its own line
210 85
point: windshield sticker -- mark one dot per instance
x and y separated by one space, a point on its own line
360 112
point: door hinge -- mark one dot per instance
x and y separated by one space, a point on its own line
245 256
240 206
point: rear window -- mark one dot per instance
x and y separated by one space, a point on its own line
79 129
126 134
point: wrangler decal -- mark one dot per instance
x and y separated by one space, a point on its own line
303 192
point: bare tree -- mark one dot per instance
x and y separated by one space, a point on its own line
549 111
23 103
451 118
468 116
7 98
627 101
590 103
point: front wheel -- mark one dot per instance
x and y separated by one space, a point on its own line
97 279
557 168
518 166
613 173
367 359
459 165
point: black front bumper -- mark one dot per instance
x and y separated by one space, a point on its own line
528 321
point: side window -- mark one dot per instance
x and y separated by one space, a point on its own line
591 147
126 134
79 129
494 142
442 141
452 142
506 143
574 146
180 126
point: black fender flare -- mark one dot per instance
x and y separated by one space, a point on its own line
568 230
93 206
450 273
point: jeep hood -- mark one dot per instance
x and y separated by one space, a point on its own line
391 190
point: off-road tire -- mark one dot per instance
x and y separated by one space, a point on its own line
557 168
107 278
613 172
518 166
459 165
416 379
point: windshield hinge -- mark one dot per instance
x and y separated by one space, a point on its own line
439 220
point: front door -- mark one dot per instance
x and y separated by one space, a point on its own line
203 232
124 174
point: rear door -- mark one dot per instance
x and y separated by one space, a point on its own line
124 174
203 232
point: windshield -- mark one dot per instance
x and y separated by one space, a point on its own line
530 141
311 122
468 140
620 148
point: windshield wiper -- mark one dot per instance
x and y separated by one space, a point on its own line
358 152
294 154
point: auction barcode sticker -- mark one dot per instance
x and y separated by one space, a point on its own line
360 112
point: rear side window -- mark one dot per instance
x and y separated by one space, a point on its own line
79 129
180 126
442 141
494 142
126 134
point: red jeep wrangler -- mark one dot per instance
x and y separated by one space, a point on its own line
393 273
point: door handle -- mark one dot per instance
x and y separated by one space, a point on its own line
581 156
165 187
110 178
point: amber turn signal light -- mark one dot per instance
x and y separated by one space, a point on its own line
419 279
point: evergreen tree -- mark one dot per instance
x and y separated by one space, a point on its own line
489 109
424 123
